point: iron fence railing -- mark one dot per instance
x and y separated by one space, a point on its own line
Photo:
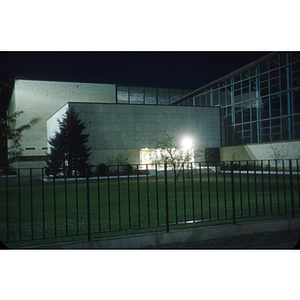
119 199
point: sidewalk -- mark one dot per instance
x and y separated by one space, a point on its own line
286 239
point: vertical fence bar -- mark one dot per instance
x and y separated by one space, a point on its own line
270 187
157 202
43 201
166 196
19 195
232 193
277 187
248 189
138 194
31 202
54 205
241 189
76 196
263 187
128 195
284 186
292 189
119 196
201 194
184 199
193 198
175 193
224 182
217 189
66 203
108 199
208 183
148 197
98 198
88 204
255 187
7 214
298 182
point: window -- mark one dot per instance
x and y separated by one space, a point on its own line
136 95
163 96
274 62
265 108
296 101
275 106
122 94
150 96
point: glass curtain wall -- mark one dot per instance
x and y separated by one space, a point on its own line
149 95
259 104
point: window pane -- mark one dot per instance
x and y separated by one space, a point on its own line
264 91
265 108
122 94
275 106
150 96
255 130
282 59
285 128
136 95
245 74
237 77
175 94
296 101
274 62
238 115
274 89
222 97
295 56
215 95
264 66
246 113
163 96
264 77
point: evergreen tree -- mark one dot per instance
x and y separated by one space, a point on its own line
69 151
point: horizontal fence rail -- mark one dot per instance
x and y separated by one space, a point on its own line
141 198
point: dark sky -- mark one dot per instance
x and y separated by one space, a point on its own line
169 69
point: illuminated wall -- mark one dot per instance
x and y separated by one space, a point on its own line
119 132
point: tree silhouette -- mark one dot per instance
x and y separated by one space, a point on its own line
68 152
8 131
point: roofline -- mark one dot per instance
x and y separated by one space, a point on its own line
225 76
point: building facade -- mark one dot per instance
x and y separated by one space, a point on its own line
251 113
43 99
259 106
127 133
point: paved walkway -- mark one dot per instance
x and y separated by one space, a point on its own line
287 239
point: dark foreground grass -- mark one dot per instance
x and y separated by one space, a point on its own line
47 214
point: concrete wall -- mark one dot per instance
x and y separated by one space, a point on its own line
120 131
279 150
43 98
53 125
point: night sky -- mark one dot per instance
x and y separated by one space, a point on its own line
161 69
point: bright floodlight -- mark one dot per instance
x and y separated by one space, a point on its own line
187 143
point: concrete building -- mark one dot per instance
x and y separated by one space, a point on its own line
44 99
252 113
125 133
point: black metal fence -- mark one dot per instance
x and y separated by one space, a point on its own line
142 198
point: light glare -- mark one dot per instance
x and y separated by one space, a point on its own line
187 142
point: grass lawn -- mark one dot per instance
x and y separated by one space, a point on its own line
117 207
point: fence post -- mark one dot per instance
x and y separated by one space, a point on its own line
292 189
88 204
166 196
232 193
